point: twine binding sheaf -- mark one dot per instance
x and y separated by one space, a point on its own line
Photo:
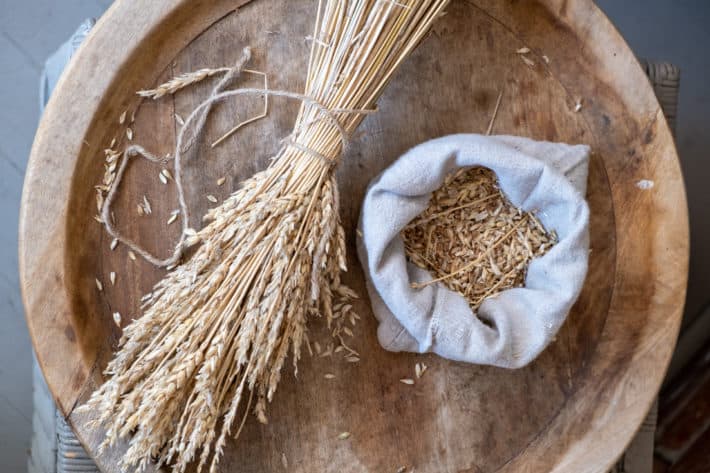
190 132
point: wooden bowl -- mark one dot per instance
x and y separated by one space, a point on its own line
573 409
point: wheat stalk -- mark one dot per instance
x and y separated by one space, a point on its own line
217 330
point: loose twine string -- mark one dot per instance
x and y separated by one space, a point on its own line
196 121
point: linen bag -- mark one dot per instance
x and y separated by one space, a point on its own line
511 329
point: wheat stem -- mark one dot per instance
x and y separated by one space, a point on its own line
270 256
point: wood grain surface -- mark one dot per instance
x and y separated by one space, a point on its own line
573 409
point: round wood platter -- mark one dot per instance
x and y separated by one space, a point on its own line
573 409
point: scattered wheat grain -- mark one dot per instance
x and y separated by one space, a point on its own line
645 184
578 105
146 206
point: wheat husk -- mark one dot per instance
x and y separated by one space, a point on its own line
472 239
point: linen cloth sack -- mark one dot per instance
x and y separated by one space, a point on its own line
513 328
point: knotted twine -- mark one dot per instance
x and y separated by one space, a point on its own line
196 122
